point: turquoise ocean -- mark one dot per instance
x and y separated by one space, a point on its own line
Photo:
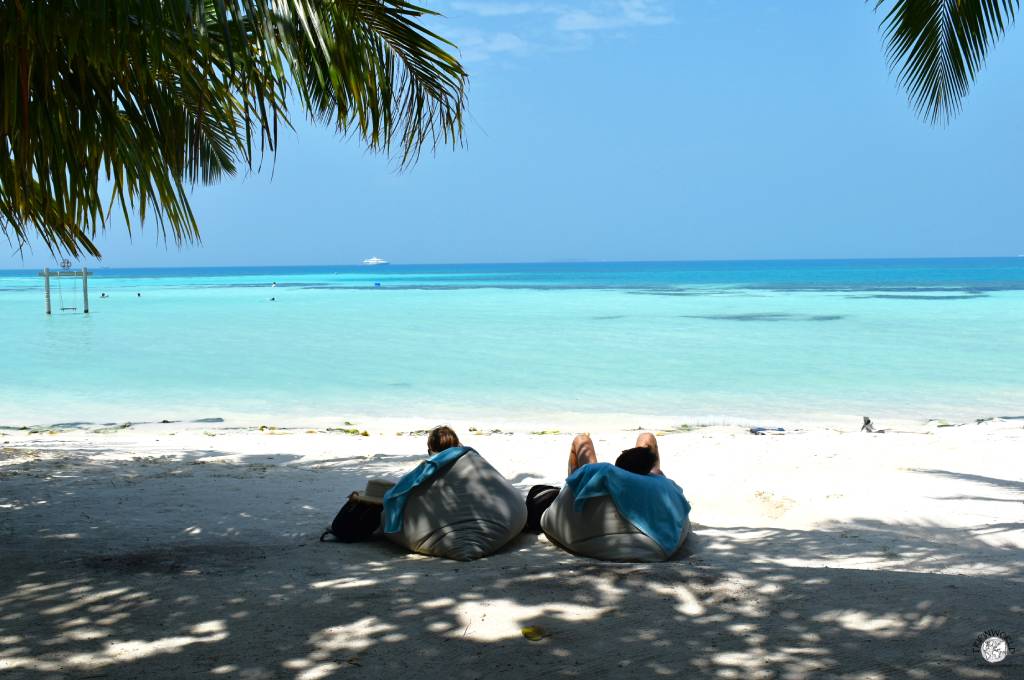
690 341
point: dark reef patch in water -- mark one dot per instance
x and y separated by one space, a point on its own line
680 292
897 296
765 316
877 288
608 317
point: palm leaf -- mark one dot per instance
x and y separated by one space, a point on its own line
124 105
937 48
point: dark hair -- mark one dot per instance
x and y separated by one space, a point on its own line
640 460
442 438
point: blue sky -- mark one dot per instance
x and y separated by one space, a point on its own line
642 130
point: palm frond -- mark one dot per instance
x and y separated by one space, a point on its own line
123 106
937 47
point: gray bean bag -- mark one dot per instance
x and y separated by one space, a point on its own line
465 512
600 531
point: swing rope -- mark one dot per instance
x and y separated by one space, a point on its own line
60 296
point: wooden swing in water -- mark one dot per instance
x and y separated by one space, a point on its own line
65 272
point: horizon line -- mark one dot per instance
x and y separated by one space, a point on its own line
534 262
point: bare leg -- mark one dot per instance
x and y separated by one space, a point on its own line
650 441
582 452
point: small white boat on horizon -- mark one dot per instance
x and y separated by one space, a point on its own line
371 261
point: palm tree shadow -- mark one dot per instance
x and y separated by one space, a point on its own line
1006 484
238 587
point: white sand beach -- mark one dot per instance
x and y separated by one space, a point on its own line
190 550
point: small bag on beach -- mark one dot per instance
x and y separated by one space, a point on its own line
537 501
360 517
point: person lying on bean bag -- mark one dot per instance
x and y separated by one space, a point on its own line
627 512
454 504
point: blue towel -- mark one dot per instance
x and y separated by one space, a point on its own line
653 504
396 496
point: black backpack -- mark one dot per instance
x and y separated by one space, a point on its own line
356 521
537 501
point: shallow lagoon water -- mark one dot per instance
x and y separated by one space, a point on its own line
713 341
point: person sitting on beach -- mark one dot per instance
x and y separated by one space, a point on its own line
642 459
628 512
454 504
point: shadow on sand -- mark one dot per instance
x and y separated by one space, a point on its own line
229 582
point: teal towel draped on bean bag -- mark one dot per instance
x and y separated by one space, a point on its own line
612 514
454 505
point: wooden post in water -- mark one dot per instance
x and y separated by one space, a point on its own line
46 287
85 289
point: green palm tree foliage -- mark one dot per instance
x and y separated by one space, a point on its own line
121 106
937 47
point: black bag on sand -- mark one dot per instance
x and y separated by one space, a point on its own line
537 501
356 521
